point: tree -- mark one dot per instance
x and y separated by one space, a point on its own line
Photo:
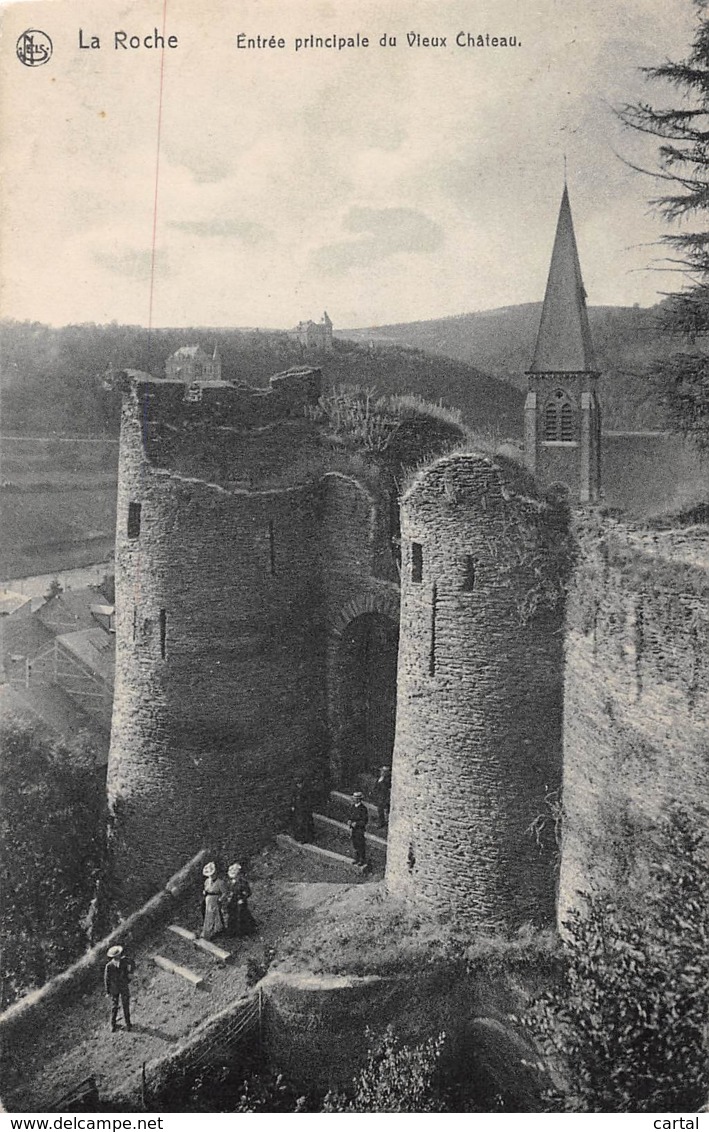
108 587
54 589
626 1028
682 380
51 803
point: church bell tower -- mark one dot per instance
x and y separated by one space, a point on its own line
562 417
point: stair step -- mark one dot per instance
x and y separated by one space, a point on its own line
184 933
177 969
203 944
315 850
212 949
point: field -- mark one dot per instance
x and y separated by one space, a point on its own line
57 504
652 474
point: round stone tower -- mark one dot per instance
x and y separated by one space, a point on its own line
219 683
477 760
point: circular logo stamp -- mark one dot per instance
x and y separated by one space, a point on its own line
34 48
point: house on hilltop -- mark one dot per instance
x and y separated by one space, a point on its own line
314 335
192 363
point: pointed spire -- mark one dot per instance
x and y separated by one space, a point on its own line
564 340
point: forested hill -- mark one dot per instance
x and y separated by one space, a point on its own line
501 343
52 379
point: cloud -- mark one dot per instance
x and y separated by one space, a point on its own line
245 230
133 263
381 233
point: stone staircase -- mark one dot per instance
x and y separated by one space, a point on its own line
184 954
332 846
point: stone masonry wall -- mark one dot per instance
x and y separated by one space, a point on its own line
219 675
479 714
636 740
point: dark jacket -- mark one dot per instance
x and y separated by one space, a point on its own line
382 788
359 816
116 975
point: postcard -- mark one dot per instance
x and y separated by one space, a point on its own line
353 591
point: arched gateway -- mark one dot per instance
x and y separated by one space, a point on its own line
362 692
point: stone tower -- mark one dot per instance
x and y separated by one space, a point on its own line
562 415
219 670
479 709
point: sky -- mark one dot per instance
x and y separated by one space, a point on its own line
384 184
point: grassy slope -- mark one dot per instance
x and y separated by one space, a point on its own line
501 343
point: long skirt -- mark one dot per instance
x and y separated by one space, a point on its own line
239 921
213 919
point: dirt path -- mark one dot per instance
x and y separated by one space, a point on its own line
79 1043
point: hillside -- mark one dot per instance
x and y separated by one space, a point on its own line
52 378
501 343
58 496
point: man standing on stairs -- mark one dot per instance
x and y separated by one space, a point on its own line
382 795
116 978
359 816
301 813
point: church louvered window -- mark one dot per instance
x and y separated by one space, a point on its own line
559 418
566 417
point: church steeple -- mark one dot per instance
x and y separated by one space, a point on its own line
562 413
564 340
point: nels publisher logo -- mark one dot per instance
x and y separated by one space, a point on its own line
34 48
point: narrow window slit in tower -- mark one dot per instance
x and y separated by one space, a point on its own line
163 632
272 548
135 621
432 654
416 562
134 519
469 576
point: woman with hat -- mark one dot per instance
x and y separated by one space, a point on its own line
214 894
239 921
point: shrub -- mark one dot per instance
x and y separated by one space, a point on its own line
626 1029
54 589
396 1078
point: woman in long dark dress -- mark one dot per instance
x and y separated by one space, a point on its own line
214 897
239 921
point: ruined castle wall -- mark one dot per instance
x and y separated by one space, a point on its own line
219 673
636 740
479 714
